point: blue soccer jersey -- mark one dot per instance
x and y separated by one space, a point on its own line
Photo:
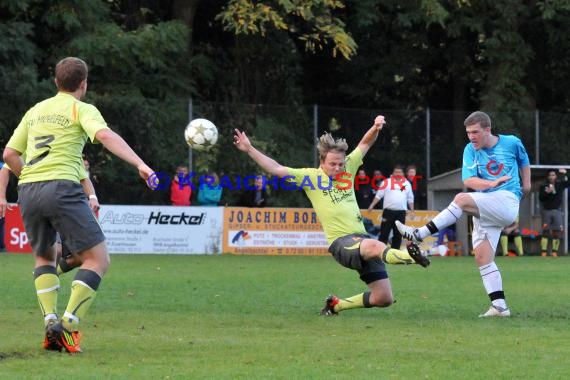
503 159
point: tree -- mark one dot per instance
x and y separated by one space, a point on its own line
310 21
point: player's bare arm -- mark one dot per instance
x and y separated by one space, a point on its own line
4 179
373 203
14 160
525 179
89 191
241 141
119 147
477 183
372 134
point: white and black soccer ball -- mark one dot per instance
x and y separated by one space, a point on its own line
201 134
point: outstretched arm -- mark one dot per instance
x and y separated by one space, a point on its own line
241 141
119 147
371 135
373 203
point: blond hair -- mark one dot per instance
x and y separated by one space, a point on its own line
327 143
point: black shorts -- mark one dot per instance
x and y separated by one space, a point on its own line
346 251
552 220
65 252
60 206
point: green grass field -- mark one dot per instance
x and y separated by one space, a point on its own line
234 317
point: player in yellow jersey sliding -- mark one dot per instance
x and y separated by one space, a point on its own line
336 207
51 137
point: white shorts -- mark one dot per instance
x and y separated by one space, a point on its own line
497 210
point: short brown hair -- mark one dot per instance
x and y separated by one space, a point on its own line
478 117
69 73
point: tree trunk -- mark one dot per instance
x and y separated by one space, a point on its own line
185 10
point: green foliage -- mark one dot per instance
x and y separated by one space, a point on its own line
318 30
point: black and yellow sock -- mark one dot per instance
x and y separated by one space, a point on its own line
505 245
555 246
355 302
83 290
46 282
544 244
396 256
519 245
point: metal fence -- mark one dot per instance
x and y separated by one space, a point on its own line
433 140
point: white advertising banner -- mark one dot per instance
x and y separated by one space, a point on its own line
162 229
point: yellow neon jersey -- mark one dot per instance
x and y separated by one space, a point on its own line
52 135
334 203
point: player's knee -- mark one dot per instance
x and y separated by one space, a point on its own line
105 262
461 199
384 300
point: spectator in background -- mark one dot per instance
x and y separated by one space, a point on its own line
375 182
514 231
398 198
210 191
180 193
87 167
362 189
411 172
256 196
550 196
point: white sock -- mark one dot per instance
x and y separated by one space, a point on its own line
493 282
445 218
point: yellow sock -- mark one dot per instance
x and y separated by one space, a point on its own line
505 245
354 302
47 285
396 256
519 245
544 244
555 245
83 291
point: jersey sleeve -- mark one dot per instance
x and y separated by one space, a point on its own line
521 154
83 174
298 175
381 189
91 120
19 139
409 192
469 168
353 161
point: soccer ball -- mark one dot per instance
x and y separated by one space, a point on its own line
201 134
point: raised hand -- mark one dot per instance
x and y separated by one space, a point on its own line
241 141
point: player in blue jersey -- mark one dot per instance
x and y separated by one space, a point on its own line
494 166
